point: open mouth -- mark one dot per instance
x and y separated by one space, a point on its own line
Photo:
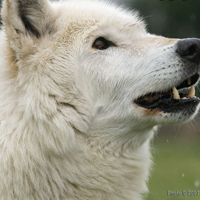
171 100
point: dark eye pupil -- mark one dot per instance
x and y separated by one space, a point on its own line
101 43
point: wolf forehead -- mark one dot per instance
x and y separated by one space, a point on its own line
95 11
91 14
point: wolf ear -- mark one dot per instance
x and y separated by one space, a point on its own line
33 17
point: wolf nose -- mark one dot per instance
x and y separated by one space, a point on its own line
189 49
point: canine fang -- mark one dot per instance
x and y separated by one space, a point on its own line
192 92
176 93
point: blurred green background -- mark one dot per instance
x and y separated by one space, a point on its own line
176 149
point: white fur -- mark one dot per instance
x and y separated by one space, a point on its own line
69 127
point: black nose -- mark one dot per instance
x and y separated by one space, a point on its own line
189 49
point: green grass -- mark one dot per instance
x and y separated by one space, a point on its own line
176 168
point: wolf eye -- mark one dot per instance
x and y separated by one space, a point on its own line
102 44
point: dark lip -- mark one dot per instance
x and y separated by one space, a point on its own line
165 101
169 104
176 105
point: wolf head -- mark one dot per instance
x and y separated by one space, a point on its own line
82 85
99 74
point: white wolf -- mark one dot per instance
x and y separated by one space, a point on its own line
82 86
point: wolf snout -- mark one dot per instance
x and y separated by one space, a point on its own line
189 49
